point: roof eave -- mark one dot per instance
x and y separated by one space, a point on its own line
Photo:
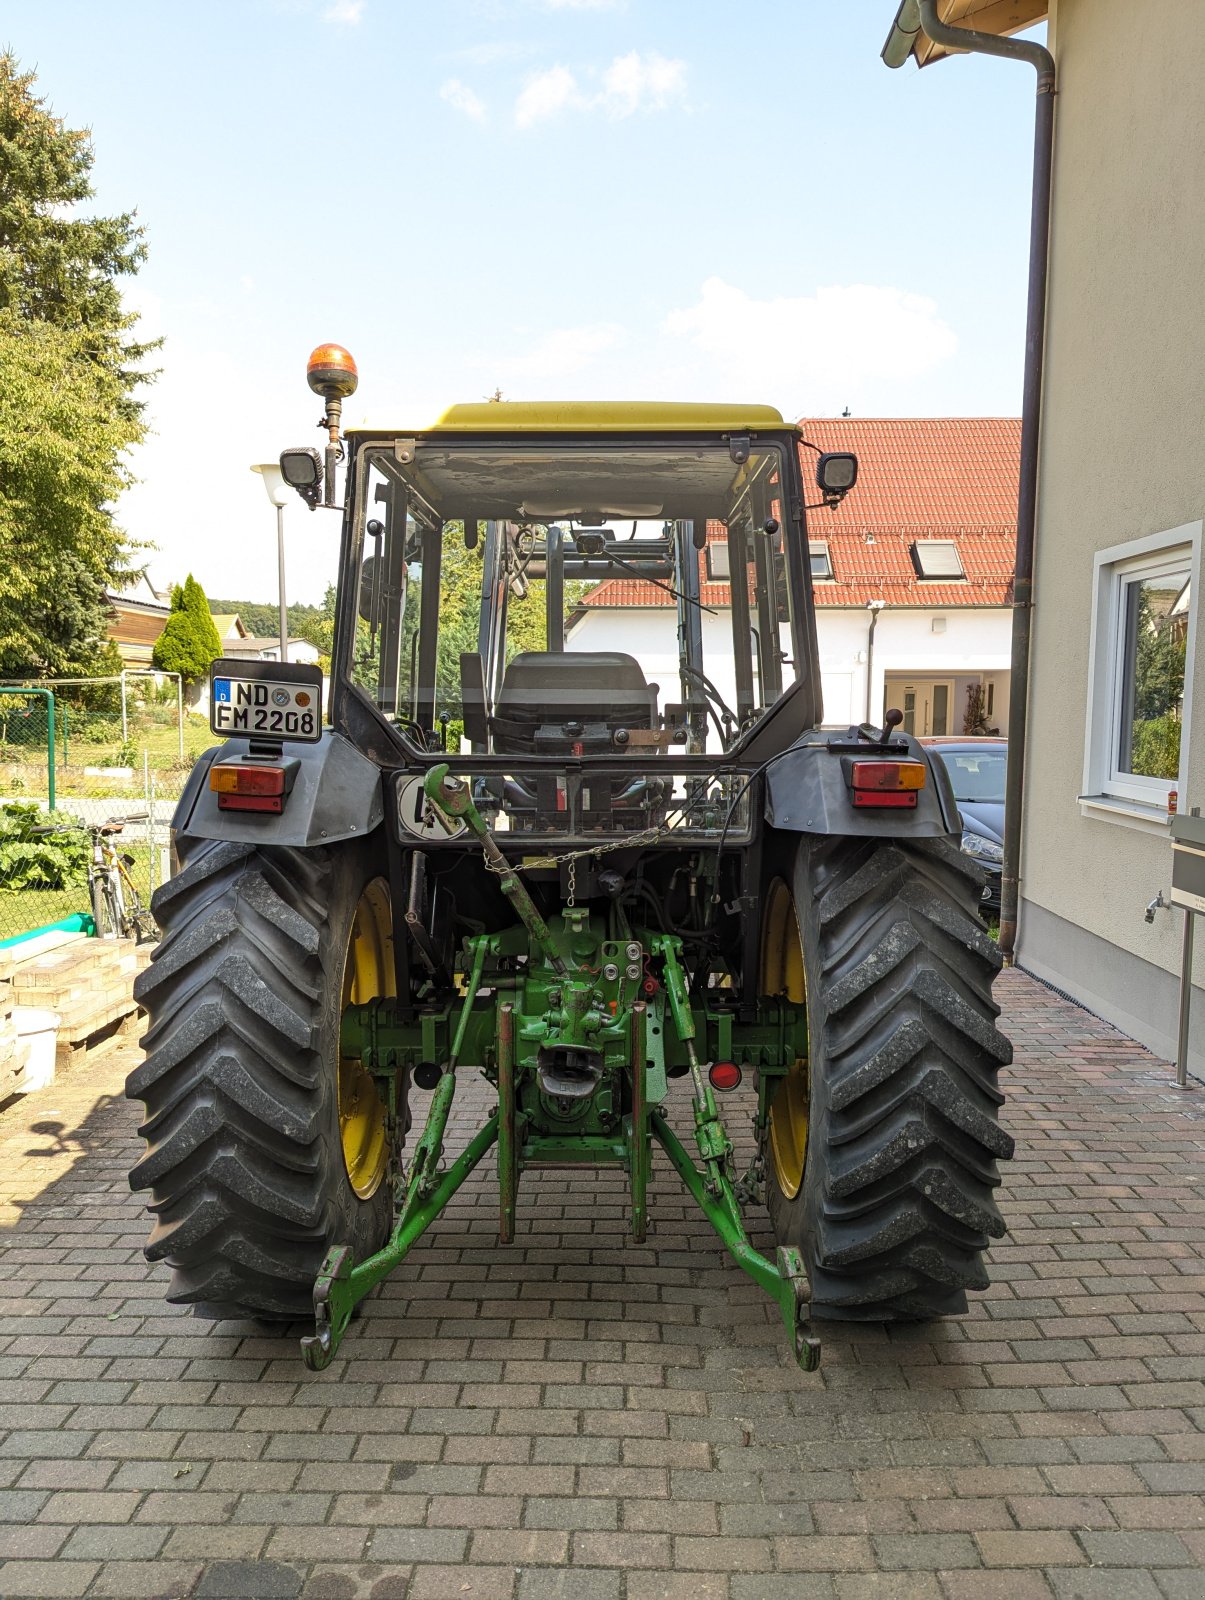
1000 17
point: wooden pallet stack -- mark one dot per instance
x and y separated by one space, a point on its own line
88 982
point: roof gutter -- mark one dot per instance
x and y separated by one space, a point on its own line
924 13
903 34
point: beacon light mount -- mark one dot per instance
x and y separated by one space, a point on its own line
331 372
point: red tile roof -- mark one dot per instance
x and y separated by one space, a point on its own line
918 477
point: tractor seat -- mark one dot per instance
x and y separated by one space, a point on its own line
545 693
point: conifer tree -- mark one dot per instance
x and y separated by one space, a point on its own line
189 641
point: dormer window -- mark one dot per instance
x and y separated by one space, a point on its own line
937 559
822 561
718 563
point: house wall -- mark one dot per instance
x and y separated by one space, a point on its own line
1122 458
134 629
973 643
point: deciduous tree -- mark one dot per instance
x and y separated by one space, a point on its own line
70 367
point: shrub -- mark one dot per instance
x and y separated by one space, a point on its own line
55 862
1155 750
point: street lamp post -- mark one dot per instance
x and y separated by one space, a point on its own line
278 493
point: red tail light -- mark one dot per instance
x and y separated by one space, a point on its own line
725 1075
243 786
886 783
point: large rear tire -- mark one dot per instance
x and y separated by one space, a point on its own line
251 1169
893 1119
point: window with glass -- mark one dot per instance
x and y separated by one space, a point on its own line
1154 633
1140 687
937 559
977 774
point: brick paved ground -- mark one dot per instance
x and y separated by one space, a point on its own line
576 1417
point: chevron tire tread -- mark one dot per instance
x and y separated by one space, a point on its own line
243 1162
897 1204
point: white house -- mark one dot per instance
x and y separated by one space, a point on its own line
237 644
231 627
267 648
911 576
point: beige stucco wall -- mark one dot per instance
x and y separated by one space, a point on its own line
1123 451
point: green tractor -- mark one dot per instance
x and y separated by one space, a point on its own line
569 821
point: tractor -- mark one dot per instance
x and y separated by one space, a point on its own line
569 820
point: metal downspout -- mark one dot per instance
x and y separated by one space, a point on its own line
1042 61
875 607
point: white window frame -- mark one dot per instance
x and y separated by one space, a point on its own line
817 548
1108 791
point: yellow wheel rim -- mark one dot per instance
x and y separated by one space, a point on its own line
782 974
367 975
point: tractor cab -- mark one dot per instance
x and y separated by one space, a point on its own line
539 586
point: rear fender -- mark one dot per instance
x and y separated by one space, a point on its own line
806 791
337 794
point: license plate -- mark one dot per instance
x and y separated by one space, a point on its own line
259 708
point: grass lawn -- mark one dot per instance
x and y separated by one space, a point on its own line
34 908
161 743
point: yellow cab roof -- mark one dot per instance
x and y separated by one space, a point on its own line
599 416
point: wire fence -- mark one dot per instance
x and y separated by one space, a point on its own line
98 766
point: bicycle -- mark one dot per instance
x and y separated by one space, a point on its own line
117 908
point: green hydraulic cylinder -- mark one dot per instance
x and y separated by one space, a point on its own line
508 1148
640 1149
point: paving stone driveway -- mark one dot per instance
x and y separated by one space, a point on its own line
578 1417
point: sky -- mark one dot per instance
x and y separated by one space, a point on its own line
558 199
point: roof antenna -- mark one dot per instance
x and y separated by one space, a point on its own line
847 412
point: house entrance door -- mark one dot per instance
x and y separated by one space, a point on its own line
927 704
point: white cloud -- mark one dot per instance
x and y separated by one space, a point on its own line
461 98
545 94
346 11
812 350
566 350
642 83
631 83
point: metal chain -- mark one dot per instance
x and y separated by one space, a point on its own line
628 841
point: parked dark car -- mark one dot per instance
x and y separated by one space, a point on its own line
977 768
